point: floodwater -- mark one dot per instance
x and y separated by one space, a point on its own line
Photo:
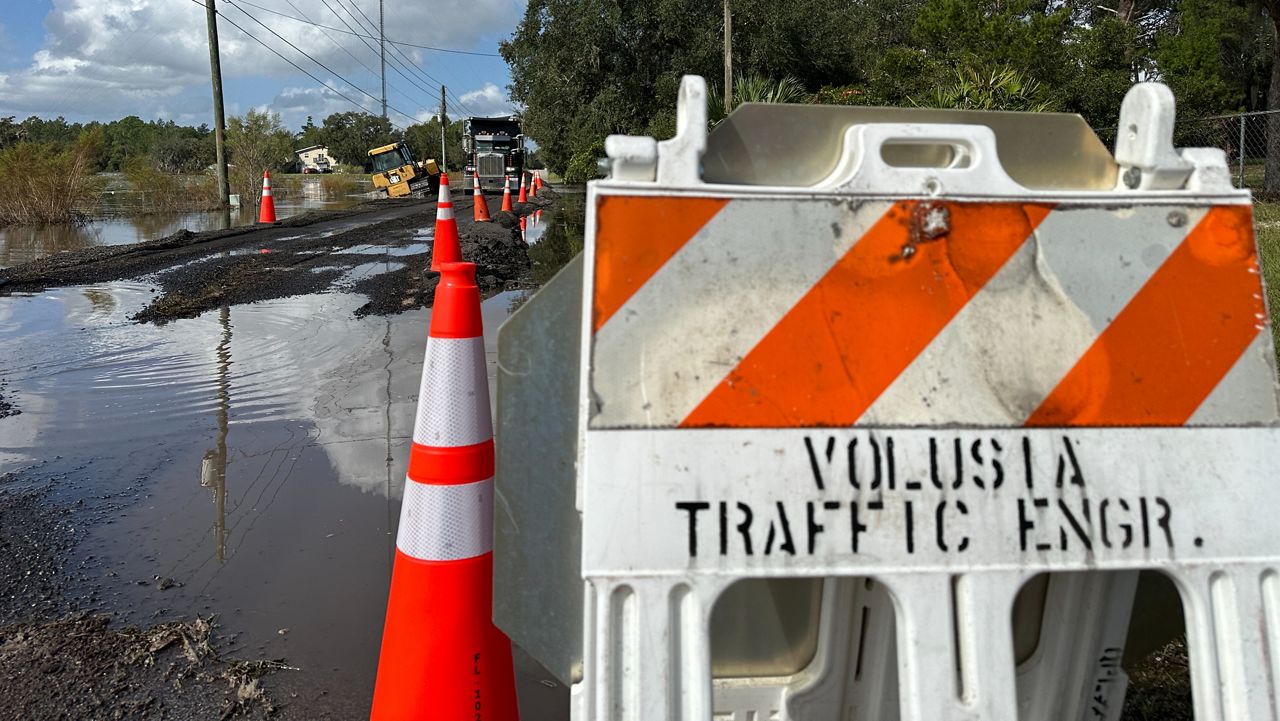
255 455
23 243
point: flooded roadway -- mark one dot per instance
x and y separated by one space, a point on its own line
257 455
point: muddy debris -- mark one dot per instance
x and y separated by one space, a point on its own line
7 407
81 667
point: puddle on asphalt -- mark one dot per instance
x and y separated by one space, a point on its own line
264 447
411 249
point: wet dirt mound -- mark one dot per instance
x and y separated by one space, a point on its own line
81 668
232 280
501 258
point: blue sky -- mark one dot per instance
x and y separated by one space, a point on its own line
104 59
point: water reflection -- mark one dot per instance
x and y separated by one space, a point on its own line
213 467
561 240
299 417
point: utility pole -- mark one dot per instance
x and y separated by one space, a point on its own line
219 121
728 59
382 53
444 120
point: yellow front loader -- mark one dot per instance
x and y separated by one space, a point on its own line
396 172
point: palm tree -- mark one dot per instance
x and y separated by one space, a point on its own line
752 87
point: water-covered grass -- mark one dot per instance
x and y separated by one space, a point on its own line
40 183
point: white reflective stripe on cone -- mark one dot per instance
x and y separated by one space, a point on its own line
453 401
444 212
446 523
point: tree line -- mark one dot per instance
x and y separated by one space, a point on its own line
584 69
259 138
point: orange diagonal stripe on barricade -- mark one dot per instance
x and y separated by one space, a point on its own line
1172 344
637 236
870 316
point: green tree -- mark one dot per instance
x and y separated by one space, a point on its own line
125 138
1199 54
351 135
256 142
424 141
310 135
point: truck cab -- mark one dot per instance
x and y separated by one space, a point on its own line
494 149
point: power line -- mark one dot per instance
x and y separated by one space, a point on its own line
371 37
307 56
345 50
398 66
299 68
367 44
330 37
346 5
407 64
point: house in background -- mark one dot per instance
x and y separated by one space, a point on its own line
313 159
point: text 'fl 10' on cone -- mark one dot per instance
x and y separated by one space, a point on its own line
442 658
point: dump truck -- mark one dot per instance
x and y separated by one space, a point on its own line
494 150
396 172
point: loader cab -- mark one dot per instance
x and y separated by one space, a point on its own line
392 169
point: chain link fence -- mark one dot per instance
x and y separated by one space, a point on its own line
1242 136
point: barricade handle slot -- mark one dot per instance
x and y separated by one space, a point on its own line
930 159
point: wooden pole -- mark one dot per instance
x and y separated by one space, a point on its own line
219 120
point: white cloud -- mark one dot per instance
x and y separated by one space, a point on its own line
296 103
108 58
487 101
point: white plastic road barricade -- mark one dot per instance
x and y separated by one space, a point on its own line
922 358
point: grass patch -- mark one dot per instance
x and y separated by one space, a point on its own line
1160 686
1266 219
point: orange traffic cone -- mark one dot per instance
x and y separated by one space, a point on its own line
481 208
506 195
266 208
537 180
442 658
533 186
537 217
446 248
524 198
523 225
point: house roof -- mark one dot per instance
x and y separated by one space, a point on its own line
299 151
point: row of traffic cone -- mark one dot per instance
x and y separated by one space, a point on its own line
481 206
267 208
442 658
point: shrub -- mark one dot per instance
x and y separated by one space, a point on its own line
41 184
